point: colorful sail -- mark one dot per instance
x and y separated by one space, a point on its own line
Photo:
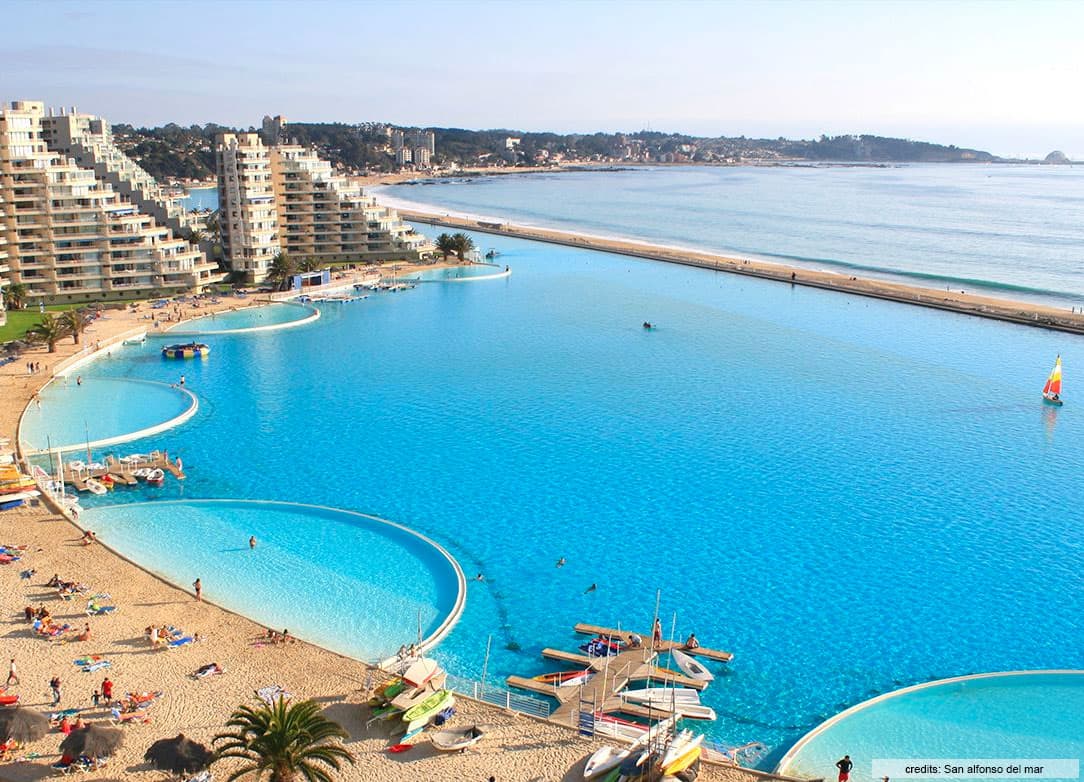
1053 383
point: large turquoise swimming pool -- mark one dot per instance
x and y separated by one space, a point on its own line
1027 716
851 495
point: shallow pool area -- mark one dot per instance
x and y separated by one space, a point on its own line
264 317
1026 716
473 272
78 410
347 581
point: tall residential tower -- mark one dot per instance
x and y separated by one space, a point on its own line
286 198
69 236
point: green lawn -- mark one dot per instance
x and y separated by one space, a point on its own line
20 320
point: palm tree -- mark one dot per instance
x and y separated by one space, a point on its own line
309 264
445 245
290 740
282 269
463 244
50 330
75 321
15 296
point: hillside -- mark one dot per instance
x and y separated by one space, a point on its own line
175 152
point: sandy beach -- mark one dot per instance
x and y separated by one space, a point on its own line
1024 313
517 748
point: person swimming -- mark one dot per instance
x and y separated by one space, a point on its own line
591 588
561 562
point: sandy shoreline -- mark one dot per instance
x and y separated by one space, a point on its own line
518 748
1024 313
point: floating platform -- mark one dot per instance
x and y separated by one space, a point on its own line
663 646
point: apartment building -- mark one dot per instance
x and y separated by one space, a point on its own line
246 200
88 140
69 236
286 198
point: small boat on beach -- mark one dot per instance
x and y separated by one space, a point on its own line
608 758
683 751
418 716
1052 389
692 668
186 350
457 739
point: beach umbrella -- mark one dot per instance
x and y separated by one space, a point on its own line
94 741
23 725
180 755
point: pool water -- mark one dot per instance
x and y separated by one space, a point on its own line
354 580
1026 716
850 495
262 317
71 415
480 271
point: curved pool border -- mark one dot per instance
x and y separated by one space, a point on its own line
139 434
502 273
174 330
792 753
427 643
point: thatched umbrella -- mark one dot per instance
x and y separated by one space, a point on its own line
22 724
180 755
94 741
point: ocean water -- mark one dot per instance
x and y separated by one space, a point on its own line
850 495
1014 231
1026 716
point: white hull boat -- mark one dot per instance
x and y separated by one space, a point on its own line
95 487
692 668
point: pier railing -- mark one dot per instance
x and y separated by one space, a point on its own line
498 696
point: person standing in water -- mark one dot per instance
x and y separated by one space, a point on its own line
844 765
252 542
198 586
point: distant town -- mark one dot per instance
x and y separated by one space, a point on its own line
173 152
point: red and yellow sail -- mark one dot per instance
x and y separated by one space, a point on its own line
1053 383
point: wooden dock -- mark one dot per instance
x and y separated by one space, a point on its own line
121 472
663 646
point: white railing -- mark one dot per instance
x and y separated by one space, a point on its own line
498 696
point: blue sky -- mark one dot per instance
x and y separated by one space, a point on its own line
998 76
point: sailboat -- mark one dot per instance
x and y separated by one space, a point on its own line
1052 389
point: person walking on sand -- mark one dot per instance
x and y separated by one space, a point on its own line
13 677
198 586
107 689
844 765
54 685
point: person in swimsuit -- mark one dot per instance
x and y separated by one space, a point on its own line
844 765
